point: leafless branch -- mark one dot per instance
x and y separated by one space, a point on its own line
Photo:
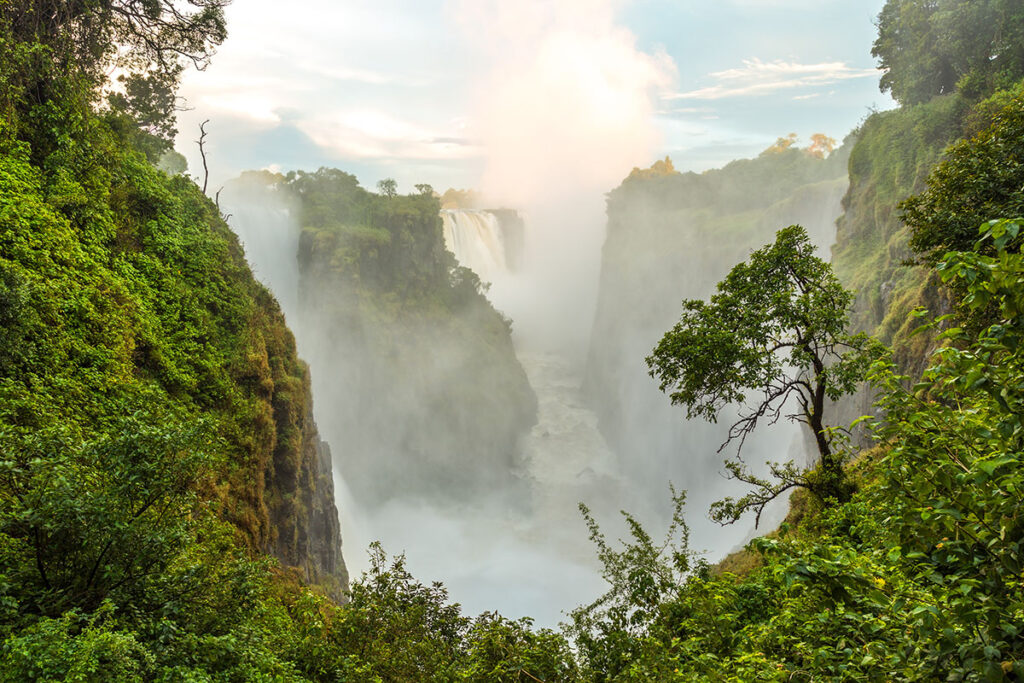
202 152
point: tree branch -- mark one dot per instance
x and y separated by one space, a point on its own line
202 152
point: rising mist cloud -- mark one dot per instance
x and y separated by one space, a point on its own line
563 108
566 98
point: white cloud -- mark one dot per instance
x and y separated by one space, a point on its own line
363 82
527 84
339 73
685 111
757 78
374 134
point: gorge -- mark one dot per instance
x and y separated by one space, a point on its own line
207 384
522 477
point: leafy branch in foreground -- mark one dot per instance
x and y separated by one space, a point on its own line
776 328
609 632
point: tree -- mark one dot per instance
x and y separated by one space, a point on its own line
821 146
104 519
424 189
501 650
659 169
148 41
150 102
777 327
401 629
614 633
781 144
937 47
90 34
388 187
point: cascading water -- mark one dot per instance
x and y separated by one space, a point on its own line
565 459
477 240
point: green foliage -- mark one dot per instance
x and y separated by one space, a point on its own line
506 651
396 629
75 648
741 185
402 629
894 153
956 437
153 414
379 244
59 49
151 402
101 519
918 575
777 328
610 633
980 177
929 48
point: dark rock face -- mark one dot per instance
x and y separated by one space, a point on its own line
305 532
289 483
325 530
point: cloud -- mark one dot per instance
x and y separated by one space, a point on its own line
565 96
374 86
340 73
375 134
758 78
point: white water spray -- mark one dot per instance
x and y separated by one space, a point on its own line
477 240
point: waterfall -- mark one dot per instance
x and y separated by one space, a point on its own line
477 240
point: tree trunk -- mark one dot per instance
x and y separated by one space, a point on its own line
832 481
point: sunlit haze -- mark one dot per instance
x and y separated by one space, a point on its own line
391 88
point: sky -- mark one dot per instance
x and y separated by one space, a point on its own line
422 90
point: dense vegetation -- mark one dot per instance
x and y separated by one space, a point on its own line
879 240
156 438
917 576
938 47
156 444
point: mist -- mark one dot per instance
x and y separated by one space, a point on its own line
663 247
465 449
563 112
